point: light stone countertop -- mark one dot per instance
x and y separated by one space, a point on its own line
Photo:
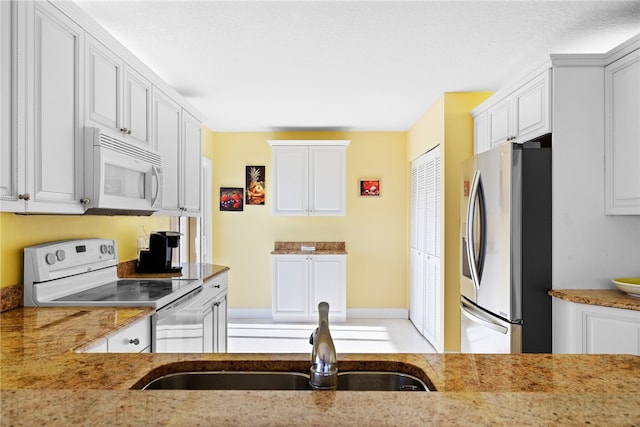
42 381
603 297
321 248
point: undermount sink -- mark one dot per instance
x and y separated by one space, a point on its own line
268 380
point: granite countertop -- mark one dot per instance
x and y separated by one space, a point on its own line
190 270
43 381
321 248
603 297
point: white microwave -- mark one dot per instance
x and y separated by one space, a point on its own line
121 177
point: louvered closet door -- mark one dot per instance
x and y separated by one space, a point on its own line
424 277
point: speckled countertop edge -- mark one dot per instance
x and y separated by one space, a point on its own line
602 297
321 248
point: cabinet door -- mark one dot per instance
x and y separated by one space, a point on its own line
622 136
166 134
11 152
54 150
327 283
610 331
104 86
208 330
500 122
417 290
290 287
533 108
220 325
290 180
137 107
432 302
481 133
327 170
191 161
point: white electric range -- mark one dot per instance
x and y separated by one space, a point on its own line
84 273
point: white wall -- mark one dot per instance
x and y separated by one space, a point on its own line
589 247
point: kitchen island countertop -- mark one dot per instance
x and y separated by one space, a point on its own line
43 381
602 297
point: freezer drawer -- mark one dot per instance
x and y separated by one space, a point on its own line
480 332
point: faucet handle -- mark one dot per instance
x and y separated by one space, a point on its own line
312 335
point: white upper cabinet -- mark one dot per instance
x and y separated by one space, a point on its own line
177 136
118 98
166 136
309 177
8 153
622 135
518 116
137 106
44 147
60 72
532 108
104 86
191 148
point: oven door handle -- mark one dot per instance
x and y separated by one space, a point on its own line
179 304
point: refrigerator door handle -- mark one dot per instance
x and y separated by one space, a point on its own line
475 196
475 317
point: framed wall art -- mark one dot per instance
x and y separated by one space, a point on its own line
231 199
255 189
369 188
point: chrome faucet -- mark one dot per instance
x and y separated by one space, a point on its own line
324 360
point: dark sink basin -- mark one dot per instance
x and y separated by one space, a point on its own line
379 381
267 380
224 380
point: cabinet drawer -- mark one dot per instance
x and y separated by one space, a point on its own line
214 287
125 340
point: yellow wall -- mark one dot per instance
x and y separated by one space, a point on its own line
18 231
374 229
448 122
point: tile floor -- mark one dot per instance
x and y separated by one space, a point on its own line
352 336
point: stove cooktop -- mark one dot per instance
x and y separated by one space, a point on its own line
145 292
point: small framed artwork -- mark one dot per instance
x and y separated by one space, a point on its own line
231 199
255 190
369 188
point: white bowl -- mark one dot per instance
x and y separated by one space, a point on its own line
628 285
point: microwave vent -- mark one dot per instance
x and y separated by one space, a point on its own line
129 149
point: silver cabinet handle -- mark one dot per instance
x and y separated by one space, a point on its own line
25 196
134 341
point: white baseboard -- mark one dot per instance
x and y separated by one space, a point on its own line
249 313
377 313
352 313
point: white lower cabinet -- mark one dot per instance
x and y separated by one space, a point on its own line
216 290
133 339
592 329
301 282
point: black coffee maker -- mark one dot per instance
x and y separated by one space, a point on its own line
158 259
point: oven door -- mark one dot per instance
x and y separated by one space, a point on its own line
182 326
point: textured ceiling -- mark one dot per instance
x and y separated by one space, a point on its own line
357 65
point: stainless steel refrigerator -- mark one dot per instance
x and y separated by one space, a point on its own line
506 250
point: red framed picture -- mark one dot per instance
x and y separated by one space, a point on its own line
370 188
231 199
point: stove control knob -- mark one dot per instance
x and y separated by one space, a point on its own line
110 249
103 249
50 258
61 255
